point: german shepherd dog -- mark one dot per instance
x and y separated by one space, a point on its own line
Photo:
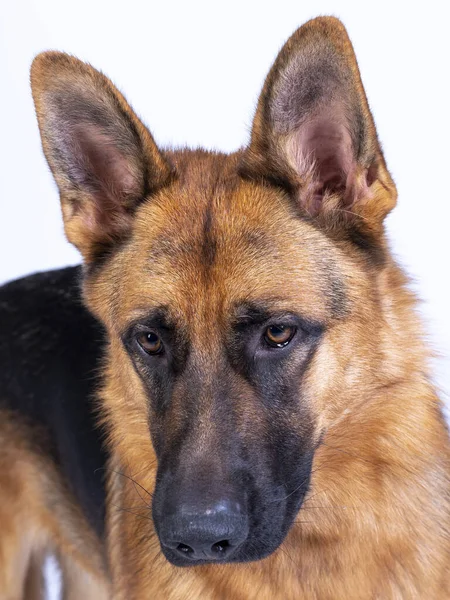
230 399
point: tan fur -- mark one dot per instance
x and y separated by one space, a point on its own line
38 517
376 521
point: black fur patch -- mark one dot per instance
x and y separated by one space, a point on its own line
50 353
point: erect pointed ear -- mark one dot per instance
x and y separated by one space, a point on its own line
103 158
313 132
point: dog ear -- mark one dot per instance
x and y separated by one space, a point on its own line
104 160
313 132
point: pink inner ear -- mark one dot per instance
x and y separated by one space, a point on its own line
102 166
321 151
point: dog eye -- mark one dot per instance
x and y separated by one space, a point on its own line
278 336
150 342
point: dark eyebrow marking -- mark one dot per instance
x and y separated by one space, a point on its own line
248 314
251 312
158 318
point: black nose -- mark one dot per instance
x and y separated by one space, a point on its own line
213 533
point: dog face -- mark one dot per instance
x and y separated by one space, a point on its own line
220 340
238 291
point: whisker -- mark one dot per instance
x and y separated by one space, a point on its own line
305 480
136 483
132 512
315 494
291 493
286 553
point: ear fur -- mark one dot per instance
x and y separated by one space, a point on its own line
104 160
313 132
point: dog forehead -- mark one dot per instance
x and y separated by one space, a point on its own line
203 249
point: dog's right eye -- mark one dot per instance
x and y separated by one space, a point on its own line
150 342
278 336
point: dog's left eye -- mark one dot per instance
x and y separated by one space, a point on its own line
150 342
278 336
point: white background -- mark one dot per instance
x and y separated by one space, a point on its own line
193 70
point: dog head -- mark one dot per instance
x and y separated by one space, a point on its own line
238 291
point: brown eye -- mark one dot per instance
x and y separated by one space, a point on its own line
279 336
150 342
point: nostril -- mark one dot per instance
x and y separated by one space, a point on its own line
185 549
212 534
220 547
